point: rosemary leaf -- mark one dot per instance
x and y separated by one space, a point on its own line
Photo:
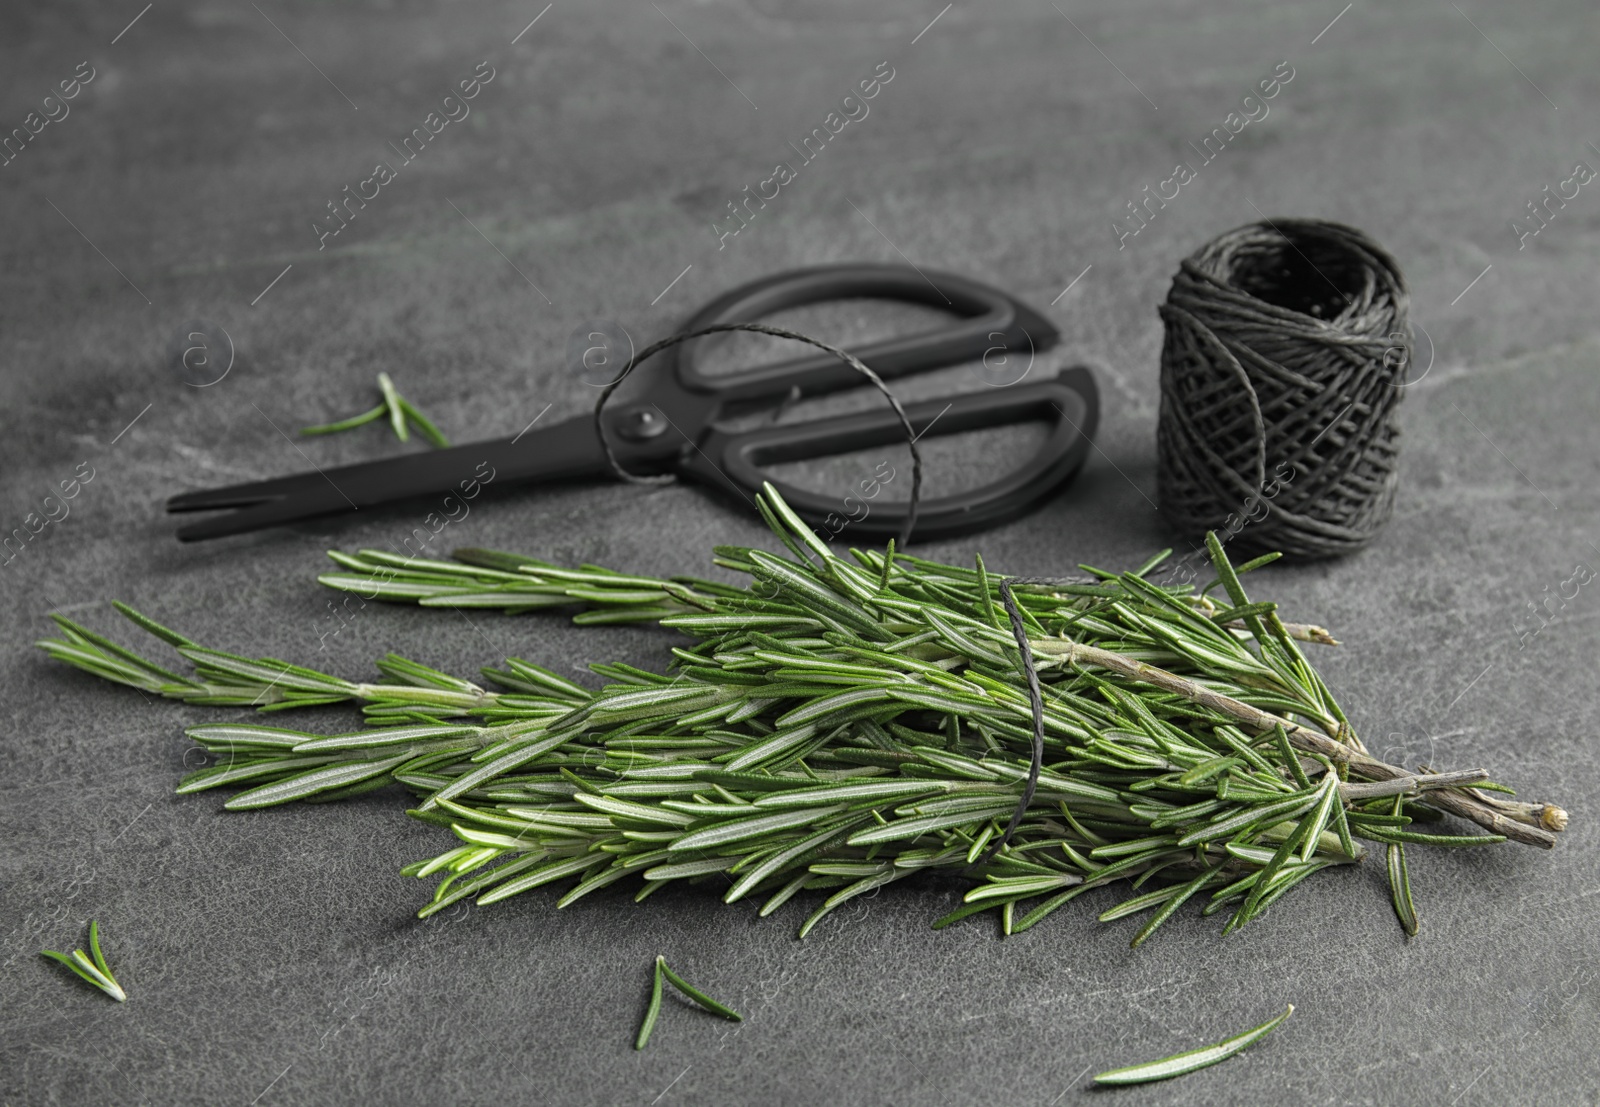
652 1009
1181 1063
697 995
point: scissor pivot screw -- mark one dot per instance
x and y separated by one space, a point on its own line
641 423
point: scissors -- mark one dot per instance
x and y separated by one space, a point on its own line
677 424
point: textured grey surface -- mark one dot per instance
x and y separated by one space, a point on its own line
272 958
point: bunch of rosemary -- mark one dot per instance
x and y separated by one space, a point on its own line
840 724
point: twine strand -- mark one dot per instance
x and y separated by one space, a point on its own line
777 332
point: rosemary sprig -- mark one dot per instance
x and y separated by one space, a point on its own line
95 971
402 413
653 1008
1181 1063
842 723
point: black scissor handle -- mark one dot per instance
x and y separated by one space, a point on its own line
1069 401
986 319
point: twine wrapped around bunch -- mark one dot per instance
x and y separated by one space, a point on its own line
1284 360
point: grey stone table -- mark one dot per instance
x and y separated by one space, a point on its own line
273 958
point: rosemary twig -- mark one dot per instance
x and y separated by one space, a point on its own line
402 413
653 1008
95 971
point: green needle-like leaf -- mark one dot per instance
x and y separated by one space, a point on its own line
94 947
424 425
309 784
347 424
391 403
1400 886
1400 882
1180 1063
698 996
653 1008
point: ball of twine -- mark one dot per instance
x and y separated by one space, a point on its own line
1283 363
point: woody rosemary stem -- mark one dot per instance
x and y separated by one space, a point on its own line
1457 801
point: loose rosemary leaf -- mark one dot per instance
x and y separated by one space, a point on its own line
1181 1063
697 995
652 1009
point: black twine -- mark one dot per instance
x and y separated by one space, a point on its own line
1284 359
777 332
1036 699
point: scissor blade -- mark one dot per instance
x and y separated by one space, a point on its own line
260 515
567 449
242 495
